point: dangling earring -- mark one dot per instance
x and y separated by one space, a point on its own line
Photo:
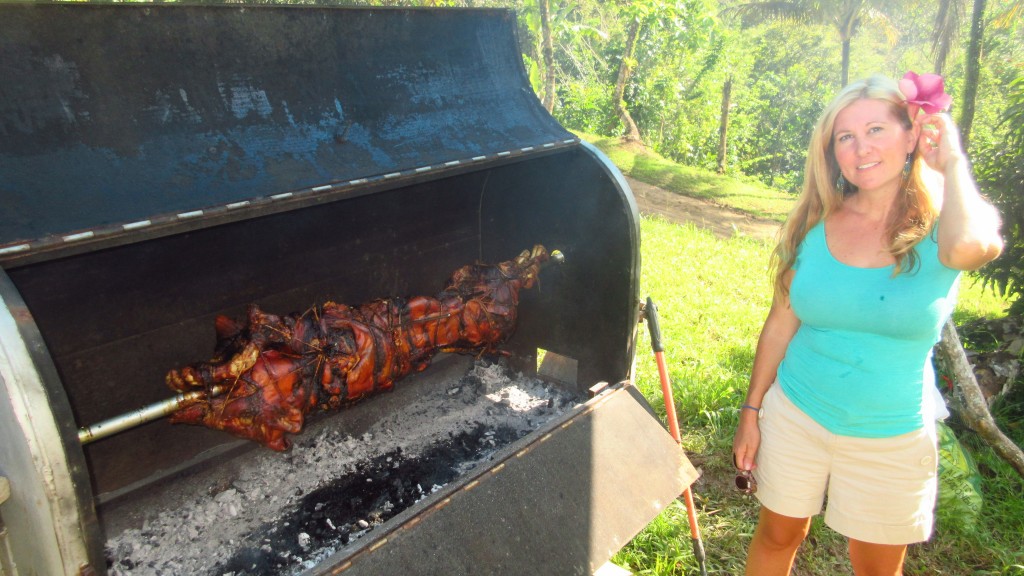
841 184
905 184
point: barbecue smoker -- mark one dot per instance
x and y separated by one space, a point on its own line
162 165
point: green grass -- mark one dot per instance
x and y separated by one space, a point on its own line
712 297
976 302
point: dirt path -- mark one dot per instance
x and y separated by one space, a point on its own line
723 222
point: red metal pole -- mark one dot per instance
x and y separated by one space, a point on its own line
666 391
651 312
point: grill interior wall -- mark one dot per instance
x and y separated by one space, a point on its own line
116 320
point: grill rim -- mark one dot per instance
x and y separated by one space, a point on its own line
50 488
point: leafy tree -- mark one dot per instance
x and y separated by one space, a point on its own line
547 52
1013 13
537 20
846 16
1003 181
973 66
949 16
582 61
637 12
723 126
777 106
973 71
782 75
998 151
656 34
638 15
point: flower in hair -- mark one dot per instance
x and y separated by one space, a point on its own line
924 92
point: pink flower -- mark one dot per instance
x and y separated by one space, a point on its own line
924 92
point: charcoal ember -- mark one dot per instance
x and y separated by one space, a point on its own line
359 502
186 528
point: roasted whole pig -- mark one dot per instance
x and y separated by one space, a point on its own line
274 370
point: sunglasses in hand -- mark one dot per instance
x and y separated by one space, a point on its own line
745 482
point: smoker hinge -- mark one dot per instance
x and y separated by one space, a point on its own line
7 567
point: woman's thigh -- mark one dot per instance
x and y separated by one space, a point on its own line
793 460
883 490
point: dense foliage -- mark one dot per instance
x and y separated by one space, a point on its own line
783 65
782 72
1002 176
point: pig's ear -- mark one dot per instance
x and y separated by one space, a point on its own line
227 328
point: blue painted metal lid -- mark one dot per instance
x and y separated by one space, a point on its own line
117 118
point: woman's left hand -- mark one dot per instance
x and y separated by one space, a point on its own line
939 140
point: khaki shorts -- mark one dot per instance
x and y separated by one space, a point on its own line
880 490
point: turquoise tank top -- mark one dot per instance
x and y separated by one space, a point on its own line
860 362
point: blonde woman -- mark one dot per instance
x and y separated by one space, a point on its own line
841 406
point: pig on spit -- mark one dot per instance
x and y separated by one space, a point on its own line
269 371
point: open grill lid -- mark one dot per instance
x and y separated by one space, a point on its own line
282 155
221 113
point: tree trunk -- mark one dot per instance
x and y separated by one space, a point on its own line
547 54
973 71
723 125
971 403
625 70
846 63
945 31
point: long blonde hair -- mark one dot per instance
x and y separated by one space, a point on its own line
914 211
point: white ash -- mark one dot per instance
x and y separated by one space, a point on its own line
194 526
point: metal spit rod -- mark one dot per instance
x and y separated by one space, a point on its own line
163 408
145 414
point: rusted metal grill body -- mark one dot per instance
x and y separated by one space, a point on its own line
161 165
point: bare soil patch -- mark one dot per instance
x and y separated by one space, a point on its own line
723 222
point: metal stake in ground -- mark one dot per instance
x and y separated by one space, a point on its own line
651 313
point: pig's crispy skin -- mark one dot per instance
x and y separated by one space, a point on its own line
277 369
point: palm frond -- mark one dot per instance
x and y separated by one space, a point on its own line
882 22
948 19
753 13
1012 14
